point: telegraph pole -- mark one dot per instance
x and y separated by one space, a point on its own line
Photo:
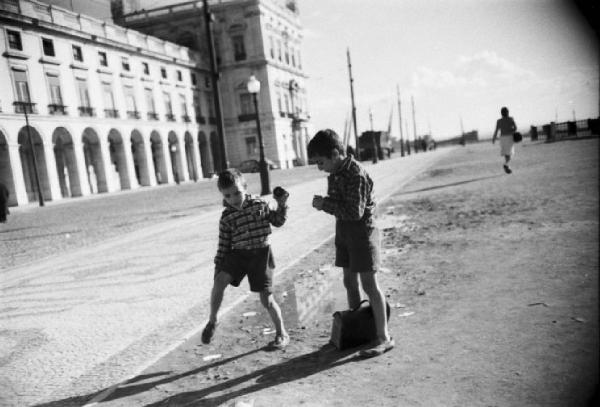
357 149
400 121
412 100
215 84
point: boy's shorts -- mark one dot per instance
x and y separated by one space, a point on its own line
258 264
357 246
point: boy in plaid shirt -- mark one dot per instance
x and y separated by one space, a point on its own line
350 199
244 249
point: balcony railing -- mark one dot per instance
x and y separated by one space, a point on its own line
57 109
133 114
152 116
201 119
24 107
112 113
186 118
246 117
170 117
86 111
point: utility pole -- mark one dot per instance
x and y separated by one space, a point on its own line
412 100
26 106
373 141
357 149
215 84
407 137
400 122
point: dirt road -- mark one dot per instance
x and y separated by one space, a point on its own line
493 281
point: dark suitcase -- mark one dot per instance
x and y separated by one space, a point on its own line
354 327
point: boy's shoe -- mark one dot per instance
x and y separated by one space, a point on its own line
378 349
507 169
281 341
208 332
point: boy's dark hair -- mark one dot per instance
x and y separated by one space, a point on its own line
229 177
504 111
323 143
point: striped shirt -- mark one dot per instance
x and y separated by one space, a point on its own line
349 192
248 227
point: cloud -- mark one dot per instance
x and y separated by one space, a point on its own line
481 70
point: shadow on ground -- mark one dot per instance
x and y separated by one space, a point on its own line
324 358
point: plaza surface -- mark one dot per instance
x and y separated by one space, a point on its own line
493 284
102 308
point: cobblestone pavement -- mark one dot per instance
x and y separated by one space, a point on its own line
86 319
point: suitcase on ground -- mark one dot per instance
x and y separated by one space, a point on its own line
354 327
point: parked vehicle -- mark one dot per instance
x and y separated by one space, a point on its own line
253 165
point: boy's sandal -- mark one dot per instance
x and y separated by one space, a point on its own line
281 341
208 332
378 349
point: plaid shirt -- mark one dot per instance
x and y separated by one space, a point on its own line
248 227
349 192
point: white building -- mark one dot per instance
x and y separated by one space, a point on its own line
109 108
252 37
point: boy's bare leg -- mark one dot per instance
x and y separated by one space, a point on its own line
352 288
268 301
222 280
369 284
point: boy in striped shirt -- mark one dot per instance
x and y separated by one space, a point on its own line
244 249
350 199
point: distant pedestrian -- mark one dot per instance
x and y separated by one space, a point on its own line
3 202
507 127
350 199
244 249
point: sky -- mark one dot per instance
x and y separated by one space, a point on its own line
460 60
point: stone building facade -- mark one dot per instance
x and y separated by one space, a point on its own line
109 108
252 37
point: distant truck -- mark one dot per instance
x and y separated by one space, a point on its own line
383 144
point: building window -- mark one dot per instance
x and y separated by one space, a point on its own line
239 50
109 100
194 79
179 76
287 54
132 111
246 104
279 56
48 47
207 82
125 64
250 146
84 98
56 106
293 54
14 40
272 47
287 103
77 53
163 72
146 68
279 105
150 106
299 61
21 86
198 108
168 106
102 59
184 108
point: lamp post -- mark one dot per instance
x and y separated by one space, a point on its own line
254 88
26 106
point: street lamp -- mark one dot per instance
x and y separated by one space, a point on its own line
253 88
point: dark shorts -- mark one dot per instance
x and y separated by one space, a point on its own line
257 264
357 246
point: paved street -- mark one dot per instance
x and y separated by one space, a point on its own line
92 316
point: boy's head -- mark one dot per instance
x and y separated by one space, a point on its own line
504 111
326 150
233 186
